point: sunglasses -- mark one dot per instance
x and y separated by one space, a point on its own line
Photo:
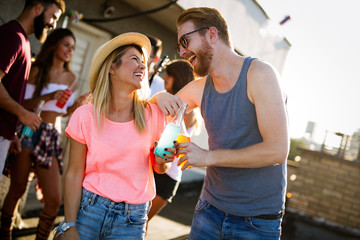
185 42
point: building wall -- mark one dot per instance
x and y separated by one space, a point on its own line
326 188
10 9
143 24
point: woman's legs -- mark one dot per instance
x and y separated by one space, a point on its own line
20 168
50 183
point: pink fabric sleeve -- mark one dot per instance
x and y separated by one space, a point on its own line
79 124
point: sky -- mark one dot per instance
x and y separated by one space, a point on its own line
322 71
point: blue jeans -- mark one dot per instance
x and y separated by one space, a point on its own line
30 142
101 218
211 223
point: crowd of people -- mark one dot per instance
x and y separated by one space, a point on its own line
114 129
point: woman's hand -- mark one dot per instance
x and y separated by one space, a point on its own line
167 157
160 163
56 95
71 234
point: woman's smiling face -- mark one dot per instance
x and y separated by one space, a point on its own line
131 70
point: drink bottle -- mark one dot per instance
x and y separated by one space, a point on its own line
27 131
171 132
65 96
183 137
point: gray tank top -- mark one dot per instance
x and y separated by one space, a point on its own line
231 123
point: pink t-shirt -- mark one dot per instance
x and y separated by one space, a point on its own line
118 163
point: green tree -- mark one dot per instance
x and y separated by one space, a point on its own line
294 144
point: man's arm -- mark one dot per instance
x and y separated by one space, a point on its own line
190 94
265 93
6 102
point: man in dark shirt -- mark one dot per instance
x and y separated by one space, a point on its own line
37 17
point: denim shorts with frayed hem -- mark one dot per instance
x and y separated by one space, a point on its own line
101 218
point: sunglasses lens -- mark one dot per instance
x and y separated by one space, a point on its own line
183 42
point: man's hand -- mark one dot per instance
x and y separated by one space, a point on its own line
15 146
30 119
194 155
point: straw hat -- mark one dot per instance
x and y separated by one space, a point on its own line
124 39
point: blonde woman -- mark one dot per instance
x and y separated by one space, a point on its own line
109 182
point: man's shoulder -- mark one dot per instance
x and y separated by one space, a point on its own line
11 33
261 64
259 67
199 82
12 27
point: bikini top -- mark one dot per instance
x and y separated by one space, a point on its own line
50 105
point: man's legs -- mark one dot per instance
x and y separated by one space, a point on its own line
19 168
207 222
211 223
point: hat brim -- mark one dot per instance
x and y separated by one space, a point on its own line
104 50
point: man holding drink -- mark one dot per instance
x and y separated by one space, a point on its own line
38 16
245 116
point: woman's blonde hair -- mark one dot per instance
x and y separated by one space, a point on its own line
101 90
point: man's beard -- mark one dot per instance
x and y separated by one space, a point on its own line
39 28
204 58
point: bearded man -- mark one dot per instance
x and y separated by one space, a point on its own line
38 16
244 110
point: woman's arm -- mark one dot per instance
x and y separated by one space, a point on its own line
160 164
31 103
73 185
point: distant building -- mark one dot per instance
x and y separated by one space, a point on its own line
353 152
310 130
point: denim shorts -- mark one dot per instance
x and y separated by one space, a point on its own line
30 142
211 223
101 218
